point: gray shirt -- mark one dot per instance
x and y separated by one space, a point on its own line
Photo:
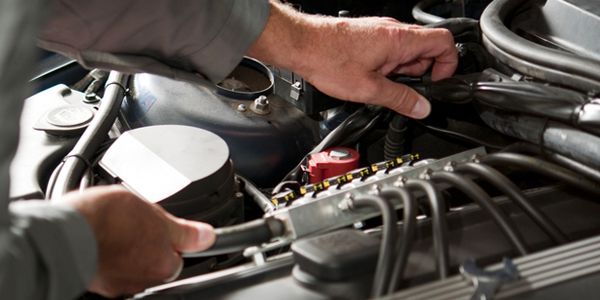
47 250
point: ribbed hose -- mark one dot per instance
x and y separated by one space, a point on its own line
395 138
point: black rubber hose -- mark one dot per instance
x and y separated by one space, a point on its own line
480 197
552 65
503 184
79 159
418 12
542 167
404 245
457 25
573 165
439 225
395 137
239 237
385 262
550 135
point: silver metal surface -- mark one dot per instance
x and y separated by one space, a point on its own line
326 211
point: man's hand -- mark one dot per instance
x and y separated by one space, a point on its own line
350 59
139 244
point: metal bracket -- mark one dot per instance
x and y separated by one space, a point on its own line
487 283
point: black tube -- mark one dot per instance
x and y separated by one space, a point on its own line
239 237
457 25
439 225
575 166
418 12
503 184
395 137
552 65
542 167
553 136
480 197
80 157
404 245
259 198
385 261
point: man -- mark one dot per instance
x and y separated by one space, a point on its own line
107 240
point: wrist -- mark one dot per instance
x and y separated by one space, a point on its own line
289 38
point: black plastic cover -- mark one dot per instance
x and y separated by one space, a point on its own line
336 256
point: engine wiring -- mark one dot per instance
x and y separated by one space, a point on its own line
479 196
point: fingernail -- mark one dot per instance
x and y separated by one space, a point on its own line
206 235
421 109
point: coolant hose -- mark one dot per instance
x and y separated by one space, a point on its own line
68 176
239 237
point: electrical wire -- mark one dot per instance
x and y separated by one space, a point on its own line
403 245
571 164
503 184
259 198
542 167
348 132
385 261
461 136
480 197
439 224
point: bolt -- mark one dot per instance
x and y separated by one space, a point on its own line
91 98
261 105
242 108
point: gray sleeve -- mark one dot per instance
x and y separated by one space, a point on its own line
46 251
173 38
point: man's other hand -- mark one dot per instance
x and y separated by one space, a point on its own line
350 58
139 244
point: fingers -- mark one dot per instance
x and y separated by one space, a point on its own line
415 68
401 99
439 45
190 236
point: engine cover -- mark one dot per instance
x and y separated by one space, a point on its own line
265 144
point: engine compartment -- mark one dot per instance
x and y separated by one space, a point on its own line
315 198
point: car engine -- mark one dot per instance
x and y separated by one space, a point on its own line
494 196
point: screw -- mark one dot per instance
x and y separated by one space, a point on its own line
242 108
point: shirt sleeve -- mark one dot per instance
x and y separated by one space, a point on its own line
47 251
164 37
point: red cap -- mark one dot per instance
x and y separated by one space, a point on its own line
332 162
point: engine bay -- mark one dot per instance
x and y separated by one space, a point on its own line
494 196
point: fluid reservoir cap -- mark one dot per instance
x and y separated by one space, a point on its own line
172 164
69 116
